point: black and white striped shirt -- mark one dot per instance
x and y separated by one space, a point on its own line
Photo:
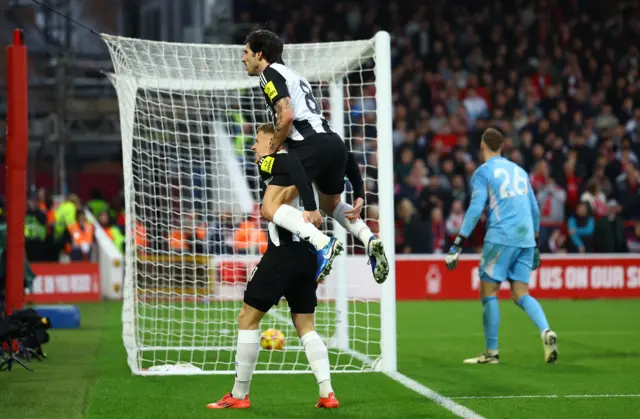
288 171
278 81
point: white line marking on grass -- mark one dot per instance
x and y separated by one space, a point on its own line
445 402
435 397
546 396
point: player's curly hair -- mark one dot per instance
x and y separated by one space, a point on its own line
266 42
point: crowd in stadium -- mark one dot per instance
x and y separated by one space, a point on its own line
560 78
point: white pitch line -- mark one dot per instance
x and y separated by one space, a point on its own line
446 402
546 396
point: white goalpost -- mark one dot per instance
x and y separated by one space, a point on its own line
188 115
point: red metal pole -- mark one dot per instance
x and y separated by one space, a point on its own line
16 162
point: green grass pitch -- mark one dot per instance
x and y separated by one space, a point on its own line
86 375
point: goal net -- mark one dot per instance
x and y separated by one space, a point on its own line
188 116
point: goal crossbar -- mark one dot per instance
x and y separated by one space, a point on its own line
182 111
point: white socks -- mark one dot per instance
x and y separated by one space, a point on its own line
358 227
291 219
318 358
246 360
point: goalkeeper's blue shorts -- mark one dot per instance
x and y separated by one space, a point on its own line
500 262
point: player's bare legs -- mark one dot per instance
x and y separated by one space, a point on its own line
247 351
490 322
520 296
318 357
342 213
275 208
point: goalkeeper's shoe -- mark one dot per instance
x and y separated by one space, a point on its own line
484 358
326 256
329 402
230 402
550 342
378 260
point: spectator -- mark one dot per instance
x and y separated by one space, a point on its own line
454 220
557 242
439 230
596 199
633 239
609 231
551 199
79 237
600 178
580 227
417 236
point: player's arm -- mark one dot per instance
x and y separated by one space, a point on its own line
285 163
535 215
479 185
535 211
479 195
275 87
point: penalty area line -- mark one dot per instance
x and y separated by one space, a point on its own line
446 402
545 396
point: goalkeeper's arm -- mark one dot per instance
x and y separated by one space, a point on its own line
478 201
354 176
288 164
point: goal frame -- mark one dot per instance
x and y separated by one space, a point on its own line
126 87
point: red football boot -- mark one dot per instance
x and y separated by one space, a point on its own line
329 402
230 402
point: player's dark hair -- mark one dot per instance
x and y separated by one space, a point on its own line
267 128
493 139
266 42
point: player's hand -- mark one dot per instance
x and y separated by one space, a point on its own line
313 217
536 259
452 257
353 214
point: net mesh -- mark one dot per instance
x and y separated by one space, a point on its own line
194 233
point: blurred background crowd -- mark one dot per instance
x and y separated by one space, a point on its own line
558 77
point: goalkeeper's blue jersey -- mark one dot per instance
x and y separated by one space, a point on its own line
513 216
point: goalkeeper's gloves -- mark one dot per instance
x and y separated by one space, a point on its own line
536 257
451 259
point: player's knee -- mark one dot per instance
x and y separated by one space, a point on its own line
328 203
517 295
303 323
267 211
249 318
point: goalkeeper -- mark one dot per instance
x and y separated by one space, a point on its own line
288 268
510 248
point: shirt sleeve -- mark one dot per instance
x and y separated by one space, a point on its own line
286 164
479 185
274 85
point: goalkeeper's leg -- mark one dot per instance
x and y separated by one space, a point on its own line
520 295
318 357
490 321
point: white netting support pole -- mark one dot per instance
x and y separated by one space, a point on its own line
126 90
386 199
340 265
